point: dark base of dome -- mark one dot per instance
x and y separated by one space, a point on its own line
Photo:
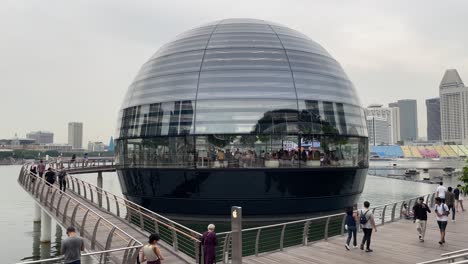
260 192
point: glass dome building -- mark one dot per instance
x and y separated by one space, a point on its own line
242 112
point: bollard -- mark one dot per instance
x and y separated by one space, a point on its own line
236 231
46 225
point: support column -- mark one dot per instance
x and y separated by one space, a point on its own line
99 184
46 226
37 213
236 231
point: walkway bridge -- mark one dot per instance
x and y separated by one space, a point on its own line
314 240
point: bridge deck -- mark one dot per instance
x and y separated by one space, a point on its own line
393 243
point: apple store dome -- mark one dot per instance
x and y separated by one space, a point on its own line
236 94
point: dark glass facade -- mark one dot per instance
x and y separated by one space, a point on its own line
242 112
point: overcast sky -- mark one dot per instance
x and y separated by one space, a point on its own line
64 61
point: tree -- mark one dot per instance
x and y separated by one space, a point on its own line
464 179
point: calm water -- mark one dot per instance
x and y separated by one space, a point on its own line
17 209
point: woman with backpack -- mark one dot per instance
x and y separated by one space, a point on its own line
350 226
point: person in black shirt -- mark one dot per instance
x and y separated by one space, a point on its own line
50 178
420 211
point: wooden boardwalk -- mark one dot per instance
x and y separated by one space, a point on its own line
393 243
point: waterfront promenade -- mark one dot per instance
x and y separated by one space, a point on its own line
393 243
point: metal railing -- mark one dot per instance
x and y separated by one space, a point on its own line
81 163
101 234
179 237
276 237
459 256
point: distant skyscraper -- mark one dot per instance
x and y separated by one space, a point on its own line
378 130
433 119
75 135
391 115
453 108
408 119
111 144
41 137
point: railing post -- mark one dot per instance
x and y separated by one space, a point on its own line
58 204
383 214
65 211
93 240
107 201
343 222
83 223
305 233
327 223
393 211
74 214
117 206
142 220
257 238
52 200
156 226
282 237
401 209
226 248
91 193
175 242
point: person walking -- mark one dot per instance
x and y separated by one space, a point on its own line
450 202
41 168
441 210
62 180
440 192
33 171
209 243
350 226
50 178
71 247
151 253
458 198
420 211
366 219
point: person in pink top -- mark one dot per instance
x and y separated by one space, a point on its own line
41 168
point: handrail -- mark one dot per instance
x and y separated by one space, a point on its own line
446 259
25 179
454 252
82 255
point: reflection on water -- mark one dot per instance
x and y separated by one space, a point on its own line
17 207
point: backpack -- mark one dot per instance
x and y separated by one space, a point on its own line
444 212
363 219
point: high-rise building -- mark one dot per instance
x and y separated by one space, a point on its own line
75 135
111 144
391 114
378 130
408 119
41 137
433 119
453 108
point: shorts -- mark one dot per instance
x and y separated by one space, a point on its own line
442 225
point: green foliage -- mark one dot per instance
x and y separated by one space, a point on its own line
464 179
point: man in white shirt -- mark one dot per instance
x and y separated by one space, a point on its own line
440 192
442 211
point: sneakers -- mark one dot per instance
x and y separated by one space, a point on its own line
421 240
346 246
440 242
369 250
362 247
354 246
